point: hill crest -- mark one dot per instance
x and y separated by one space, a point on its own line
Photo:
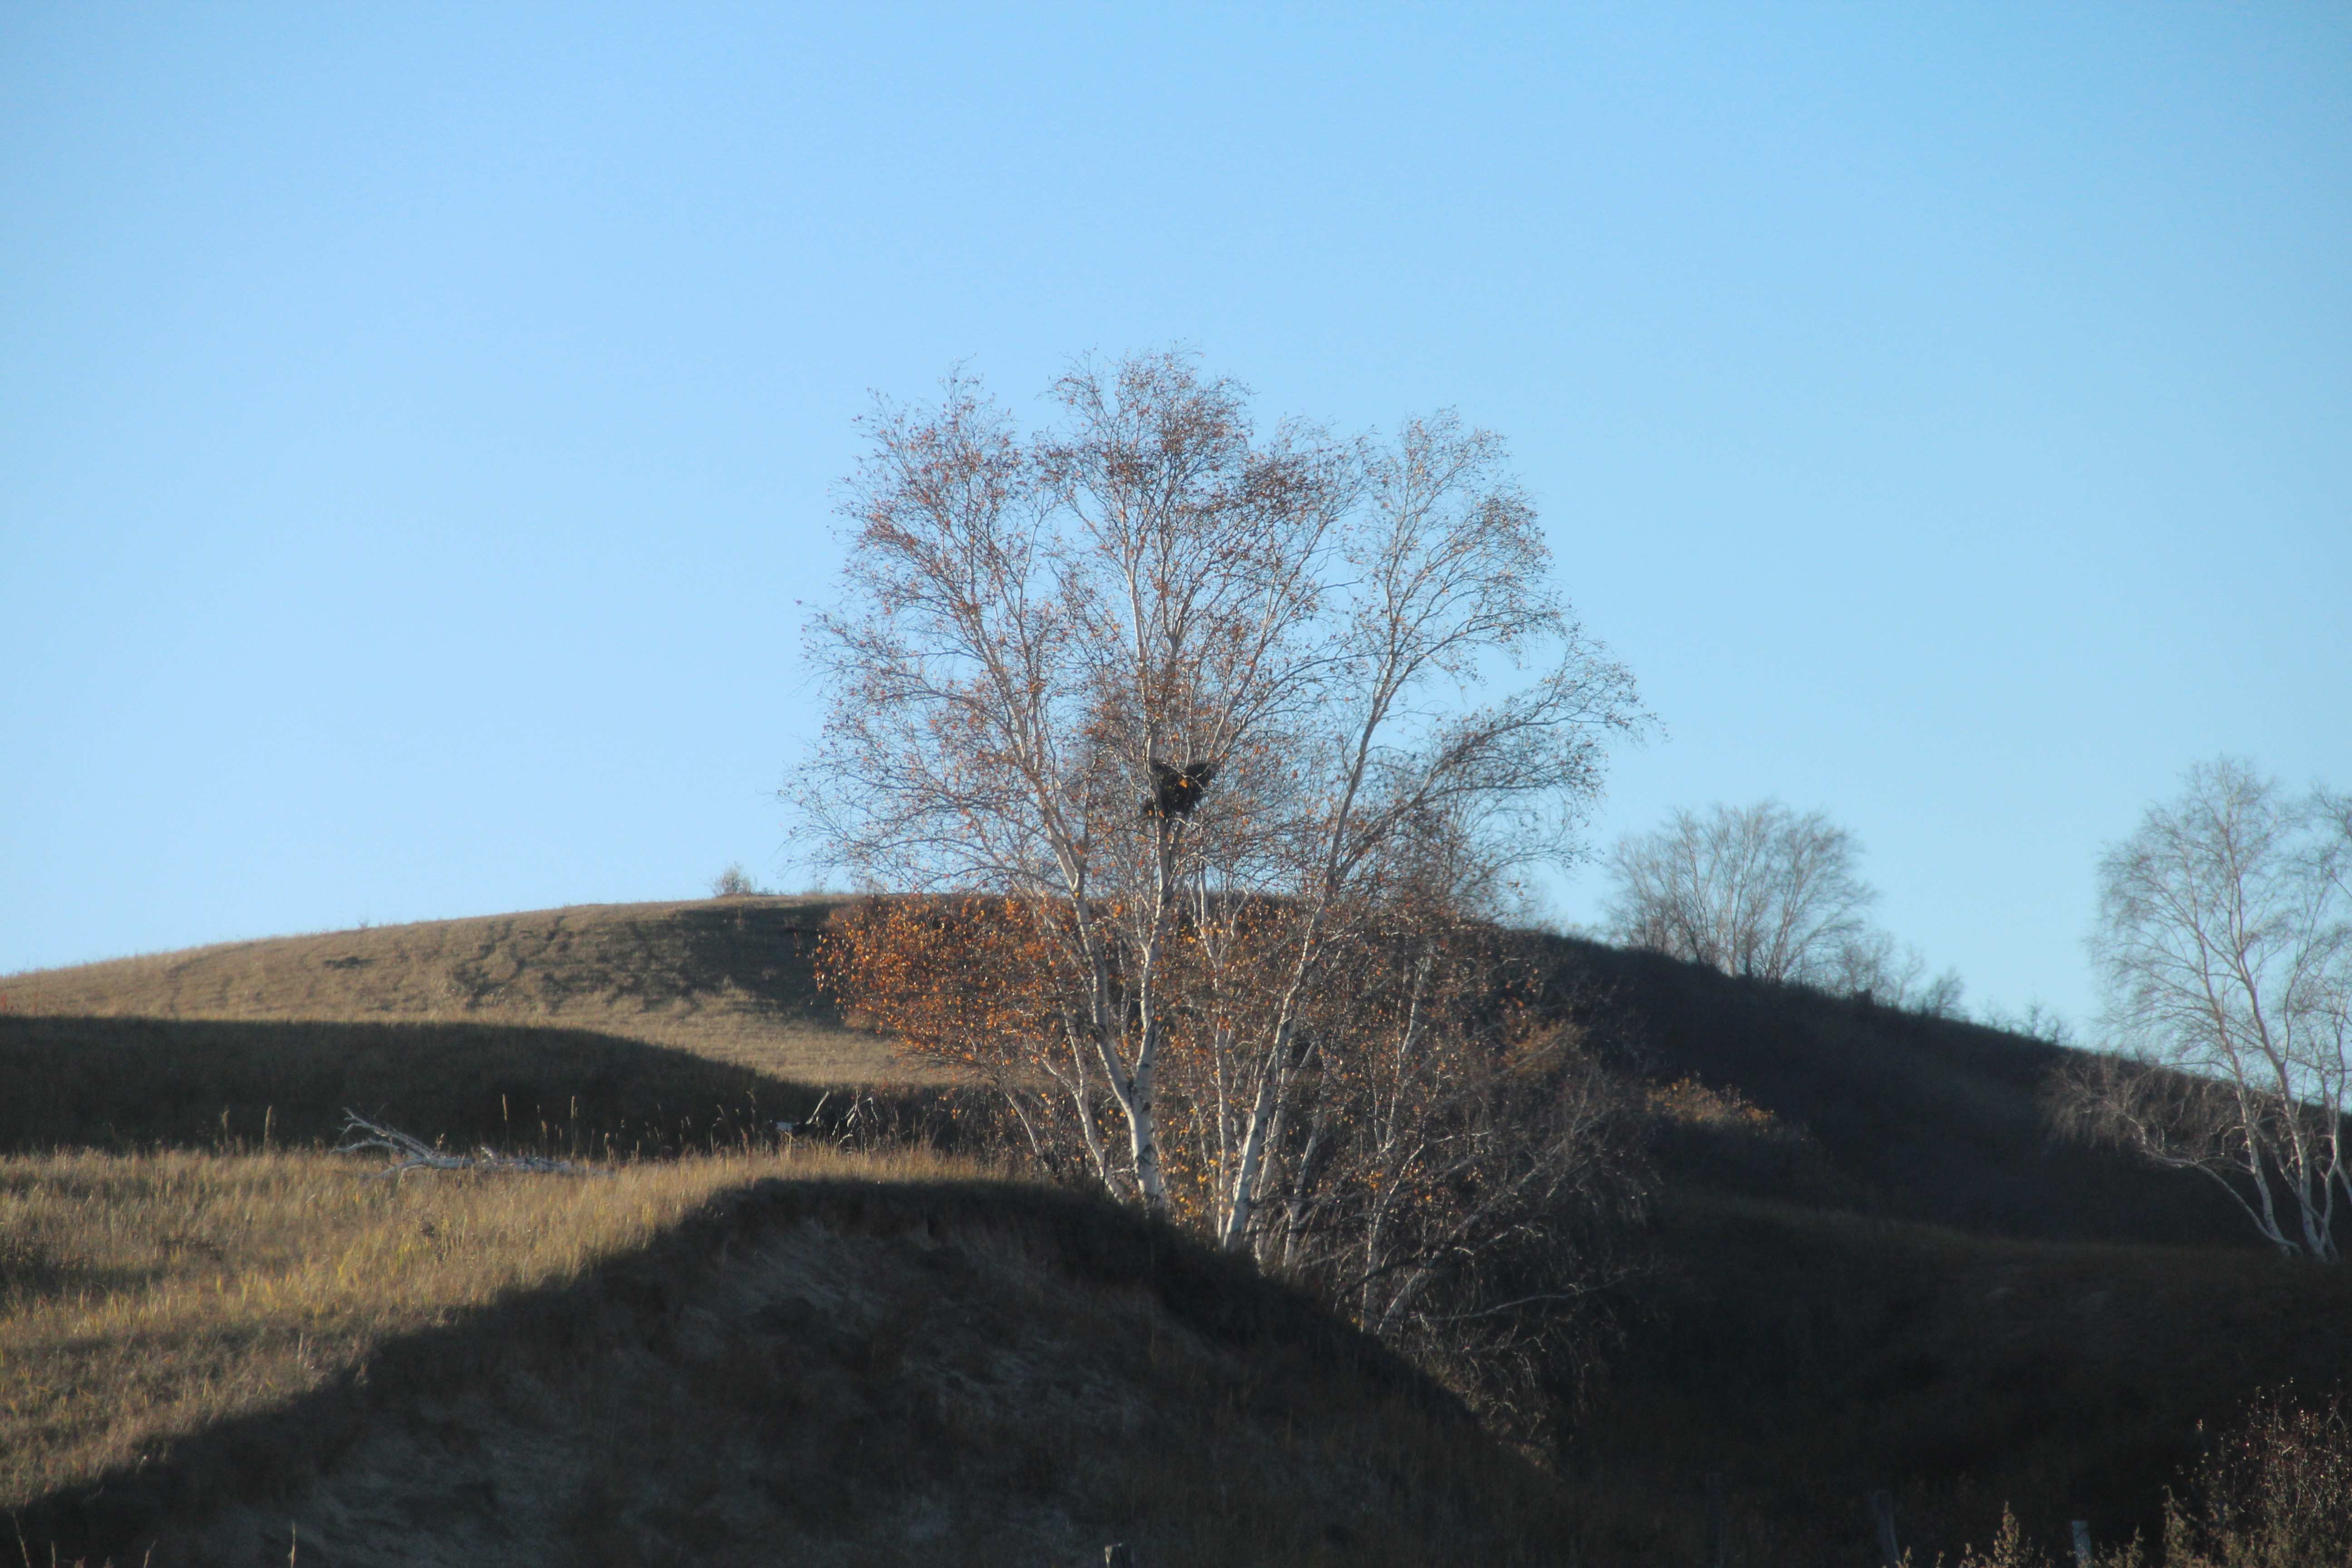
730 978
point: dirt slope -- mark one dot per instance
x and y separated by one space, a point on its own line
730 979
846 1374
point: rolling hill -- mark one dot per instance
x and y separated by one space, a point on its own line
838 1363
1867 1264
729 979
1870 1265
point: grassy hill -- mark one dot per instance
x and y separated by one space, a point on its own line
1872 1109
129 1083
729 979
825 1360
1868 1264
1871 1266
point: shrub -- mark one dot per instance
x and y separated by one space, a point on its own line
2275 1492
734 883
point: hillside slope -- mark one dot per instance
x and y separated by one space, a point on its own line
848 1372
1868 1264
1811 1357
730 979
1884 1111
134 1083
1875 1110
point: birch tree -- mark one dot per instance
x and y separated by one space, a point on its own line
1459 1159
1185 711
1762 891
2224 945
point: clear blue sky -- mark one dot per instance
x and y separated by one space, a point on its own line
419 425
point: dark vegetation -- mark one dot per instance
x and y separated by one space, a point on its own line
1870 1265
1875 1110
1867 1264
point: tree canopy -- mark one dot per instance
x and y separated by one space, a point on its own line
1213 749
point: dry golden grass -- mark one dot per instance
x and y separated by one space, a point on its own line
144 1298
730 979
875 1360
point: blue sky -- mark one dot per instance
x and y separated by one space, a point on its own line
419 425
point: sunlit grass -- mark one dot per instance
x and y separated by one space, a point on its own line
728 979
143 1298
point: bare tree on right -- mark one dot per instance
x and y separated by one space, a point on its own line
2224 943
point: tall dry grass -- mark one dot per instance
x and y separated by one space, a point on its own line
875 1344
143 1298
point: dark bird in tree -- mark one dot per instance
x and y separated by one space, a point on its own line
1176 790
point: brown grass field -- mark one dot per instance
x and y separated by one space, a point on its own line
219 1343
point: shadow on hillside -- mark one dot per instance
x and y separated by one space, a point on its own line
1915 1117
1811 1358
767 949
846 1407
139 1083
753 954
1902 1280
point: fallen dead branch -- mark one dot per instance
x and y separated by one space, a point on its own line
414 1155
